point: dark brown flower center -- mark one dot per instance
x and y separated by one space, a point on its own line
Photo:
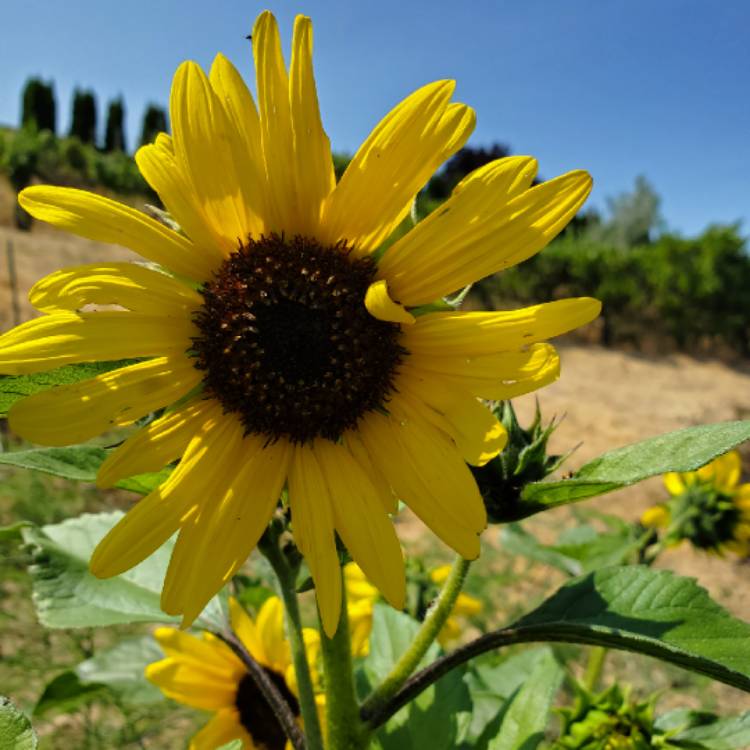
287 344
257 716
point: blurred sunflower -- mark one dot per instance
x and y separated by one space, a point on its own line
708 507
203 672
290 348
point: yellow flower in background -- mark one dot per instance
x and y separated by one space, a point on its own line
708 507
203 672
465 606
284 347
361 595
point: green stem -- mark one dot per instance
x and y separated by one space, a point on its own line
594 667
306 693
345 729
426 635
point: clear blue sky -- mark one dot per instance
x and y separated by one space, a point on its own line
619 87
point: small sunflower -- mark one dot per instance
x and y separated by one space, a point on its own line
287 349
708 507
203 672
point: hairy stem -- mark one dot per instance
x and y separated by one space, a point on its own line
345 729
306 696
426 635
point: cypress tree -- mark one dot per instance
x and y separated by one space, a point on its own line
38 105
83 126
154 122
114 134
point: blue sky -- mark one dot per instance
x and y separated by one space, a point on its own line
618 87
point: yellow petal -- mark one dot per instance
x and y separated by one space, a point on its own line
406 451
270 629
382 307
723 472
493 376
166 175
195 575
478 434
313 528
158 515
655 517
461 246
98 218
128 285
193 687
66 338
272 86
467 334
243 117
440 574
467 605
360 453
674 483
73 413
392 165
223 727
358 588
245 629
362 522
203 144
154 446
312 149
212 656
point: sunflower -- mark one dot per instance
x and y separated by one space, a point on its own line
709 507
284 346
203 672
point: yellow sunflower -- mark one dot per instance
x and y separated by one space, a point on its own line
203 672
709 507
285 348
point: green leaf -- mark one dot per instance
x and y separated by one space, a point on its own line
79 463
66 595
684 450
13 531
392 634
651 612
15 729
233 745
491 685
15 387
527 714
725 734
66 692
121 669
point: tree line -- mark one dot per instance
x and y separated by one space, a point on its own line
39 110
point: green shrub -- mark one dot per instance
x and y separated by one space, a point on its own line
688 290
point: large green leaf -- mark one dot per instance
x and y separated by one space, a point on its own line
491 686
65 693
684 450
652 612
578 550
527 714
66 595
78 463
392 633
15 387
15 729
122 667
725 734
432 719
